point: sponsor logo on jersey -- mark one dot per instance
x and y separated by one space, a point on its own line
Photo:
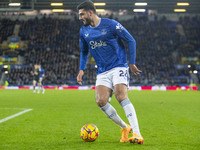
95 44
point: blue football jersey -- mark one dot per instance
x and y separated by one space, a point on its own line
106 46
41 72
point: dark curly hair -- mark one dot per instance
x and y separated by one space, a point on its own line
87 5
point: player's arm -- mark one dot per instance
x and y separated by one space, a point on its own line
134 69
80 76
83 58
35 72
120 31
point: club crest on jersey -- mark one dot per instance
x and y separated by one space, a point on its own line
95 44
86 35
119 27
103 31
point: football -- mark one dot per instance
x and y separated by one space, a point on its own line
89 132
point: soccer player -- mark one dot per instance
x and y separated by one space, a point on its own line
38 75
103 38
35 74
41 76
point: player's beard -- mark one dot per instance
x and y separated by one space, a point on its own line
87 22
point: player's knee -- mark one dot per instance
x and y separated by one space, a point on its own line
121 92
101 101
121 96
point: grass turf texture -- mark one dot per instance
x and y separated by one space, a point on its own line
168 120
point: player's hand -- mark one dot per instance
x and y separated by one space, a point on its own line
134 69
80 76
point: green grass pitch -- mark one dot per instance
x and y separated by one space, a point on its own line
168 120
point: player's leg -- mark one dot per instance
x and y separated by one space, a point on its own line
38 91
34 84
102 94
125 132
37 83
109 100
104 88
43 90
121 94
41 86
121 83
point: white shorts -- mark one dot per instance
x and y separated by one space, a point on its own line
110 78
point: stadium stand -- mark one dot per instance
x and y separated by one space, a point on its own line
163 47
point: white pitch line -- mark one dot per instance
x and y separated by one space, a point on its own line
15 115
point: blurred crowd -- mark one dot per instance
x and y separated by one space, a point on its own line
55 44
